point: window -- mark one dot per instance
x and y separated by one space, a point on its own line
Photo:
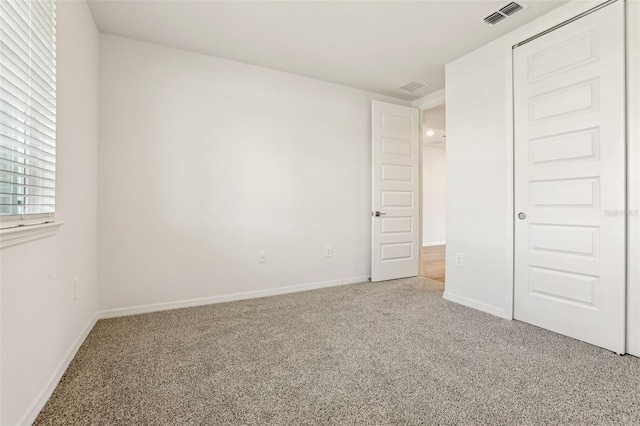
27 111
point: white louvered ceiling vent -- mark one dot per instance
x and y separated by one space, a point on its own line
504 12
412 86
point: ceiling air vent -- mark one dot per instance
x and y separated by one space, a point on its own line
510 9
503 13
412 86
494 18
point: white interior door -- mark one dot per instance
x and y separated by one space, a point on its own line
395 242
569 122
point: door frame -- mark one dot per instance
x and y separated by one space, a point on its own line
633 176
422 104
561 16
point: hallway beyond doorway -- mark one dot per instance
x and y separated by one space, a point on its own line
432 261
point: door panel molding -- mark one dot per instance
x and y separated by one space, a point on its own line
569 175
395 238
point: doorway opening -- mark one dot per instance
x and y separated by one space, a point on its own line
434 190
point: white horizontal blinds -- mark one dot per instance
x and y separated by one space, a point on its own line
27 109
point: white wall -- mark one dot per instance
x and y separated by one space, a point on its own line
41 322
435 117
480 170
205 162
478 187
434 195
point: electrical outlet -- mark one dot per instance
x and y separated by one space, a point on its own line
459 263
262 257
75 288
328 251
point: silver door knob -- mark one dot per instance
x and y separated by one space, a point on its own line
377 214
522 216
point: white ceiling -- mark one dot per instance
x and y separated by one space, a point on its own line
371 45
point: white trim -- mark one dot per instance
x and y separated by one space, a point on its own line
470 303
431 100
156 307
633 177
433 243
45 394
22 234
510 261
423 103
420 185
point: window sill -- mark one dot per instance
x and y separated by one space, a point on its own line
23 234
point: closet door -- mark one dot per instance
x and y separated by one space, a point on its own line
569 123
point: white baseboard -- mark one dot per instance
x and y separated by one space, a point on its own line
156 307
434 243
45 394
470 303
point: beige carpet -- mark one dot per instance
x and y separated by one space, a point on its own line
385 353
